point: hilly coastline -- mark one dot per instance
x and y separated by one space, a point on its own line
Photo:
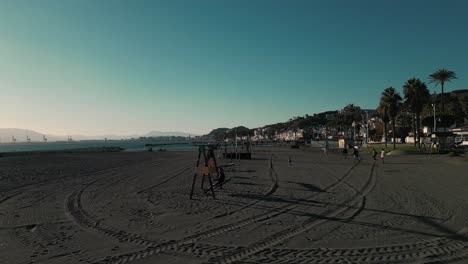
21 135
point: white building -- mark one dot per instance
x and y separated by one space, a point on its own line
290 135
461 135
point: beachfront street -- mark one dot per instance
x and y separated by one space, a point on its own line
135 208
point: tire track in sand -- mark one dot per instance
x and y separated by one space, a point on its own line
308 224
154 248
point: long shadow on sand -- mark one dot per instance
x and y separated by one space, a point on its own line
450 234
446 232
308 186
249 183
453 234
410 163
241 177
318 204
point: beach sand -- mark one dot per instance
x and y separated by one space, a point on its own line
135 208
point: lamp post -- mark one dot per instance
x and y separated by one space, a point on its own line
435 122
354 131
367 127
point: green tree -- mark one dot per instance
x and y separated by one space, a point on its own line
349 114
454 108
392 101
382 109
416 97
440 77
218 134
464 104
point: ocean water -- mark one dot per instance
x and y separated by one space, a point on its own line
127 145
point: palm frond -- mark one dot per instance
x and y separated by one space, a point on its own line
441 76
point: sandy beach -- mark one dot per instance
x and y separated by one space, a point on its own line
135 208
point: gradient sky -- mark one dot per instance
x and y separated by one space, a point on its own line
126 67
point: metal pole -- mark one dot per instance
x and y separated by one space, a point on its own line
435 122
354 133
235 148
326 138
367 127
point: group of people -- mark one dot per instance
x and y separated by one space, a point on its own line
355 153
357 157
382 154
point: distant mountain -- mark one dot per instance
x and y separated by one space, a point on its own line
21 135
167 134
6 135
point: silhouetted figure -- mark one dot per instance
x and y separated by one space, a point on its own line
374 153
221 179
345 153
289 161
356 154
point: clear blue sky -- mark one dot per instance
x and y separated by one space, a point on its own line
123 67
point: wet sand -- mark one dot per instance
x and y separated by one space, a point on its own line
135 208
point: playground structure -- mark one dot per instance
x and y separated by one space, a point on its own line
240 150
206 168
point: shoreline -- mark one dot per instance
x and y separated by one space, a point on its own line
63 151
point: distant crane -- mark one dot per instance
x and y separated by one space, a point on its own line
44 138
13 139
28 139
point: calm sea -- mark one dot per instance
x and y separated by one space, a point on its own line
128 146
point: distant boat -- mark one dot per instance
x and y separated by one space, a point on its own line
44 138
13 139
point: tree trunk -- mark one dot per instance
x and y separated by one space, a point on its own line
419 129
393 131
442 98
443 102
414 128
385 134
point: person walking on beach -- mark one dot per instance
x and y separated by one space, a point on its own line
356 154
345 152
374 153
382 155
221 179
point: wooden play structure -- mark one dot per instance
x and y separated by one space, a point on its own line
206 168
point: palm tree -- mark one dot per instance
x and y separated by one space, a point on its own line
441 77
382 109
392 100
417 96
